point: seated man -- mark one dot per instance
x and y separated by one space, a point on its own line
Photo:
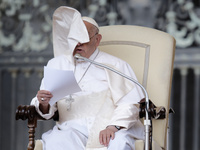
103 115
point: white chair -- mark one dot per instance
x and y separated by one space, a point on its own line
151 55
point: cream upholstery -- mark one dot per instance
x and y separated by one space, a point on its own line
150 53
38 145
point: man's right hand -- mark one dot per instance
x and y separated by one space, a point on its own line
44 97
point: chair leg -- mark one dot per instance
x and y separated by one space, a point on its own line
31 143
32 124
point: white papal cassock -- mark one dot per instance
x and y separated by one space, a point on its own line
106 99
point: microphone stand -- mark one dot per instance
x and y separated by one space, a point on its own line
147 122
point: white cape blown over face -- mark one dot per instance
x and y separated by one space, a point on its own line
68 31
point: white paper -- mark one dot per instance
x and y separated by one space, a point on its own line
60 83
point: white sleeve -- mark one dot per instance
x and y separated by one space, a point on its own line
35 102
126 113
52 109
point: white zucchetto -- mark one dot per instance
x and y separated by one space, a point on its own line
90 20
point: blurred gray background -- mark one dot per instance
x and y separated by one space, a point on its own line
26 46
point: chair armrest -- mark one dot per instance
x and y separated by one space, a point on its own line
154 111
29 112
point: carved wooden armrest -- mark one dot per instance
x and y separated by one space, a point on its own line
29 112
154 111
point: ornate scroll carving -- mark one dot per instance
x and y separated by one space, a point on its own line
180 19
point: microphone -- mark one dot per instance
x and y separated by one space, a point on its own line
78 56
147 121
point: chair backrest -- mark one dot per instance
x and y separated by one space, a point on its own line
150 53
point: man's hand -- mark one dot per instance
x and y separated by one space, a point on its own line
107 134
44 98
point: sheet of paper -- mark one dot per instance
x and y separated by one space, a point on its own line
60 83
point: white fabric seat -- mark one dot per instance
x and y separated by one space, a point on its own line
151 54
